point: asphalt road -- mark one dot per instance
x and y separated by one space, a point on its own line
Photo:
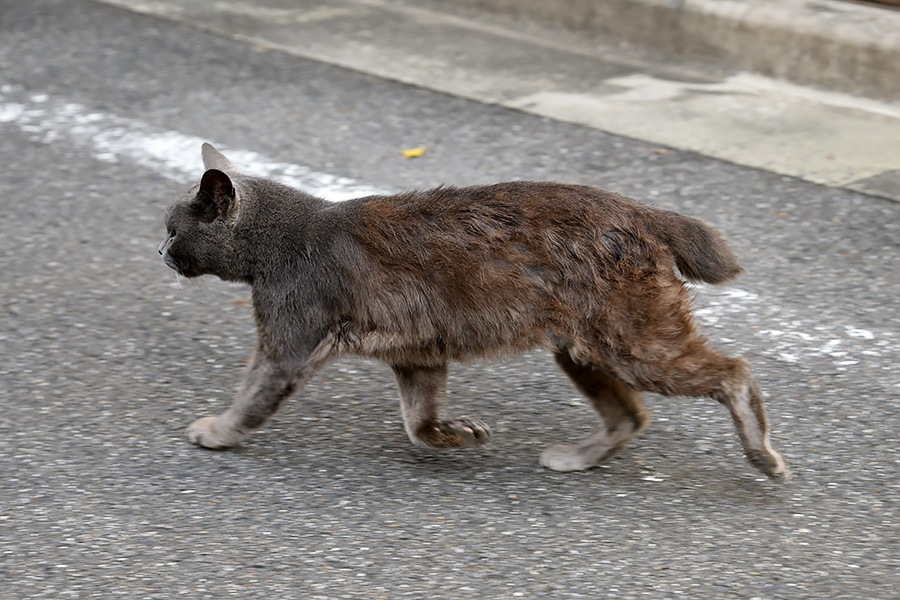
105 358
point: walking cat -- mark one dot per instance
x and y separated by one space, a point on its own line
426 277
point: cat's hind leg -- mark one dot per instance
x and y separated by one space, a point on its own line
620 408
661 351
730 381
423 395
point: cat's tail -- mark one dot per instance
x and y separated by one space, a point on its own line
701 254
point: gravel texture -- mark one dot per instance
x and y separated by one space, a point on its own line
105 359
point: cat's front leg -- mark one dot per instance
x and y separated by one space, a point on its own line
266 384
204 432
423 393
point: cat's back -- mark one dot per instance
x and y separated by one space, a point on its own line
534 200
516 239
486 267
450 217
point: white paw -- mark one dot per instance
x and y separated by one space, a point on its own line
203 432
771 463
566 458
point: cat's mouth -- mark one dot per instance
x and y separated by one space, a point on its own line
182 270
170 261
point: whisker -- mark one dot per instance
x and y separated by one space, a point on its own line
197 284
180 286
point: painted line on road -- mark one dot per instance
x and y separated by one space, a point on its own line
789 336
796 335
172 154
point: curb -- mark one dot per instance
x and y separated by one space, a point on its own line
832 44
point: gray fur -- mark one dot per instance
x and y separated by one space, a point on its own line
424 278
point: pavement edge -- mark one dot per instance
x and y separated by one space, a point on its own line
833 44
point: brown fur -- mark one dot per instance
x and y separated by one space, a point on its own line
424 278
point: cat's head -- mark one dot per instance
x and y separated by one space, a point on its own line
201 225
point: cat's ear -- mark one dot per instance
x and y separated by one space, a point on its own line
216 195
213 159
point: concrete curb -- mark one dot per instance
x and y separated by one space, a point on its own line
832 44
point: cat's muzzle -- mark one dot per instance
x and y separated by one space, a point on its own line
167 258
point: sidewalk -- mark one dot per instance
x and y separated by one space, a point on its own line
703 85
833 44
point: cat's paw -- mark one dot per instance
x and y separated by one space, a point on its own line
568 458
463 432
771 464
204 432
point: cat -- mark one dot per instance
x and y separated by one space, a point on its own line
423 278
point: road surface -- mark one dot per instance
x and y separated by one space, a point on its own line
105 358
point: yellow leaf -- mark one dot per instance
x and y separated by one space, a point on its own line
413 152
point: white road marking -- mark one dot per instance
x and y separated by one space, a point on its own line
791 336
172 154
795 335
